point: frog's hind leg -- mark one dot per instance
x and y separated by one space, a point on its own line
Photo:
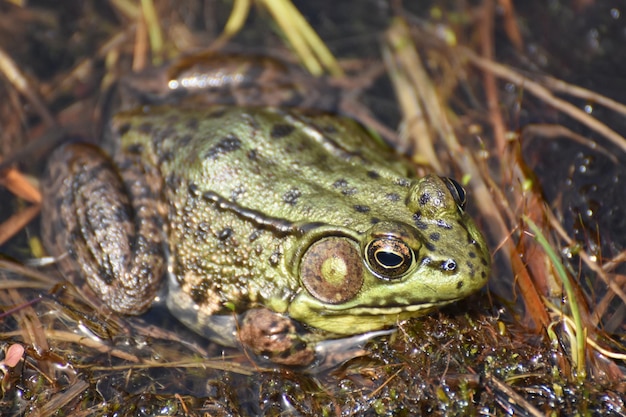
102 229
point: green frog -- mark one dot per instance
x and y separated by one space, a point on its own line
275 227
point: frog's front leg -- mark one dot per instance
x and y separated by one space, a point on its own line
275 337
106 230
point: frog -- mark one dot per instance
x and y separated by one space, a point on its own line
274 228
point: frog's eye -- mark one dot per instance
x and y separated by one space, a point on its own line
389 257
457 191
331 270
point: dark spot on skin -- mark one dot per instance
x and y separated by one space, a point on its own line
172 181
252 155
254 235
227 144
448 265
274 258
165 157
154 248
197 295
361 209
237 192
192 124
135 148
483 275
402 182
434 236
145 127
203 228
374 220
419 223
146 242
424 199
225 233
123 129
340 183
185 141
193 190
274 324
373 175
120 213
459 285
472 254
442 224
291 196
104 274
343 184
160 137
483 261
280 130
392 197
430 247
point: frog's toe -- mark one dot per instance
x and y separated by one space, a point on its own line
275 337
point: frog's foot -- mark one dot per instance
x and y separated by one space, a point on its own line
275 337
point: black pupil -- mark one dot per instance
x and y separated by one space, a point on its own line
457 191
389 259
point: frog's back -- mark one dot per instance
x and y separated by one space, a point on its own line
287 165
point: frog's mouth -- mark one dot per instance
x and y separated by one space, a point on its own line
422 308
349 319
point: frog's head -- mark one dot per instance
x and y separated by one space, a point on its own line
359 282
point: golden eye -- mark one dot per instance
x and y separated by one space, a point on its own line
331 270
457 191
388 257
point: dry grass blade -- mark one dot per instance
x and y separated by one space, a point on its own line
513 401
154 31
553 131
303 38
489 81
315 55
60 399
17 183
545 95
561 86
216 364
11 226
12 72
98 345
27 272
400 54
